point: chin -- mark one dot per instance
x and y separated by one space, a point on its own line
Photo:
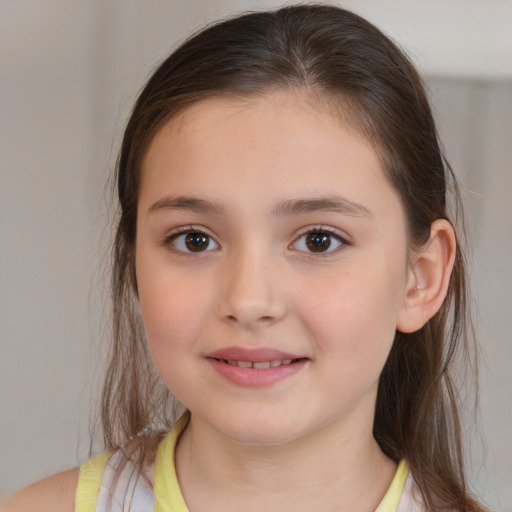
257 432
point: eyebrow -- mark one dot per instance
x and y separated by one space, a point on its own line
335 204
193 204
287 207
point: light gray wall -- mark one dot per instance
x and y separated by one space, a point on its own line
475 120
70 71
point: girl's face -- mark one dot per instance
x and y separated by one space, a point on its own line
271 264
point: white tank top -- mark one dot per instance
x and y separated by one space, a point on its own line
111 483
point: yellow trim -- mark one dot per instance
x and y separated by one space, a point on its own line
168 497
89 483
390 501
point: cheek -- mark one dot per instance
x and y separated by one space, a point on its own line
353 318
173 314
173 307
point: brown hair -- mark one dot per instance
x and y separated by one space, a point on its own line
347 62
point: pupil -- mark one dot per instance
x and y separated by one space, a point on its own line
318 242
196 242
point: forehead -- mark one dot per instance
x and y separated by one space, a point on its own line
278 106
280 118
281 143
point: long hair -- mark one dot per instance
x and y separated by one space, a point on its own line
346 62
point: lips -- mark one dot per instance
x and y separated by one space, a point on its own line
256 355
258 365
255 367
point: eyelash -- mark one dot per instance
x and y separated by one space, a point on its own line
321 230
174 235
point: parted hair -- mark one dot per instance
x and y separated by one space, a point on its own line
348 64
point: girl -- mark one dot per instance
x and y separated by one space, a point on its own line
285 259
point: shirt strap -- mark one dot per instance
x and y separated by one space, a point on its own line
89 483
390 501
168 497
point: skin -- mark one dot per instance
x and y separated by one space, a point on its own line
55 493
304 442
258 289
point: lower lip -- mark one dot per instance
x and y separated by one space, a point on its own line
252 377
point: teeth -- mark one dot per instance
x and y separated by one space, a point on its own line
258 365
261 365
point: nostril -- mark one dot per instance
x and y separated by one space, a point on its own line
266 318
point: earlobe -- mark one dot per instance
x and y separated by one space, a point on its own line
429 277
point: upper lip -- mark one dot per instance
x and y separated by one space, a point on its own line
254 355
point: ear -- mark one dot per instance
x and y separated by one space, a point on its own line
428 277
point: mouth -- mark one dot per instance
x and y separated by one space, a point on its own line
254 368
259 365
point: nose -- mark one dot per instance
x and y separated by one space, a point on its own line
252 293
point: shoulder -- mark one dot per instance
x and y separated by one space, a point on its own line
55 493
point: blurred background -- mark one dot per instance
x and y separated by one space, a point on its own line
70 71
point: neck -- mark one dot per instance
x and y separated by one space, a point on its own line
335 468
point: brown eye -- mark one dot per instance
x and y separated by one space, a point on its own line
192 241
196 242
318 242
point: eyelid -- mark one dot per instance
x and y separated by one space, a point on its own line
335 233
340 236
188 228
183 230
